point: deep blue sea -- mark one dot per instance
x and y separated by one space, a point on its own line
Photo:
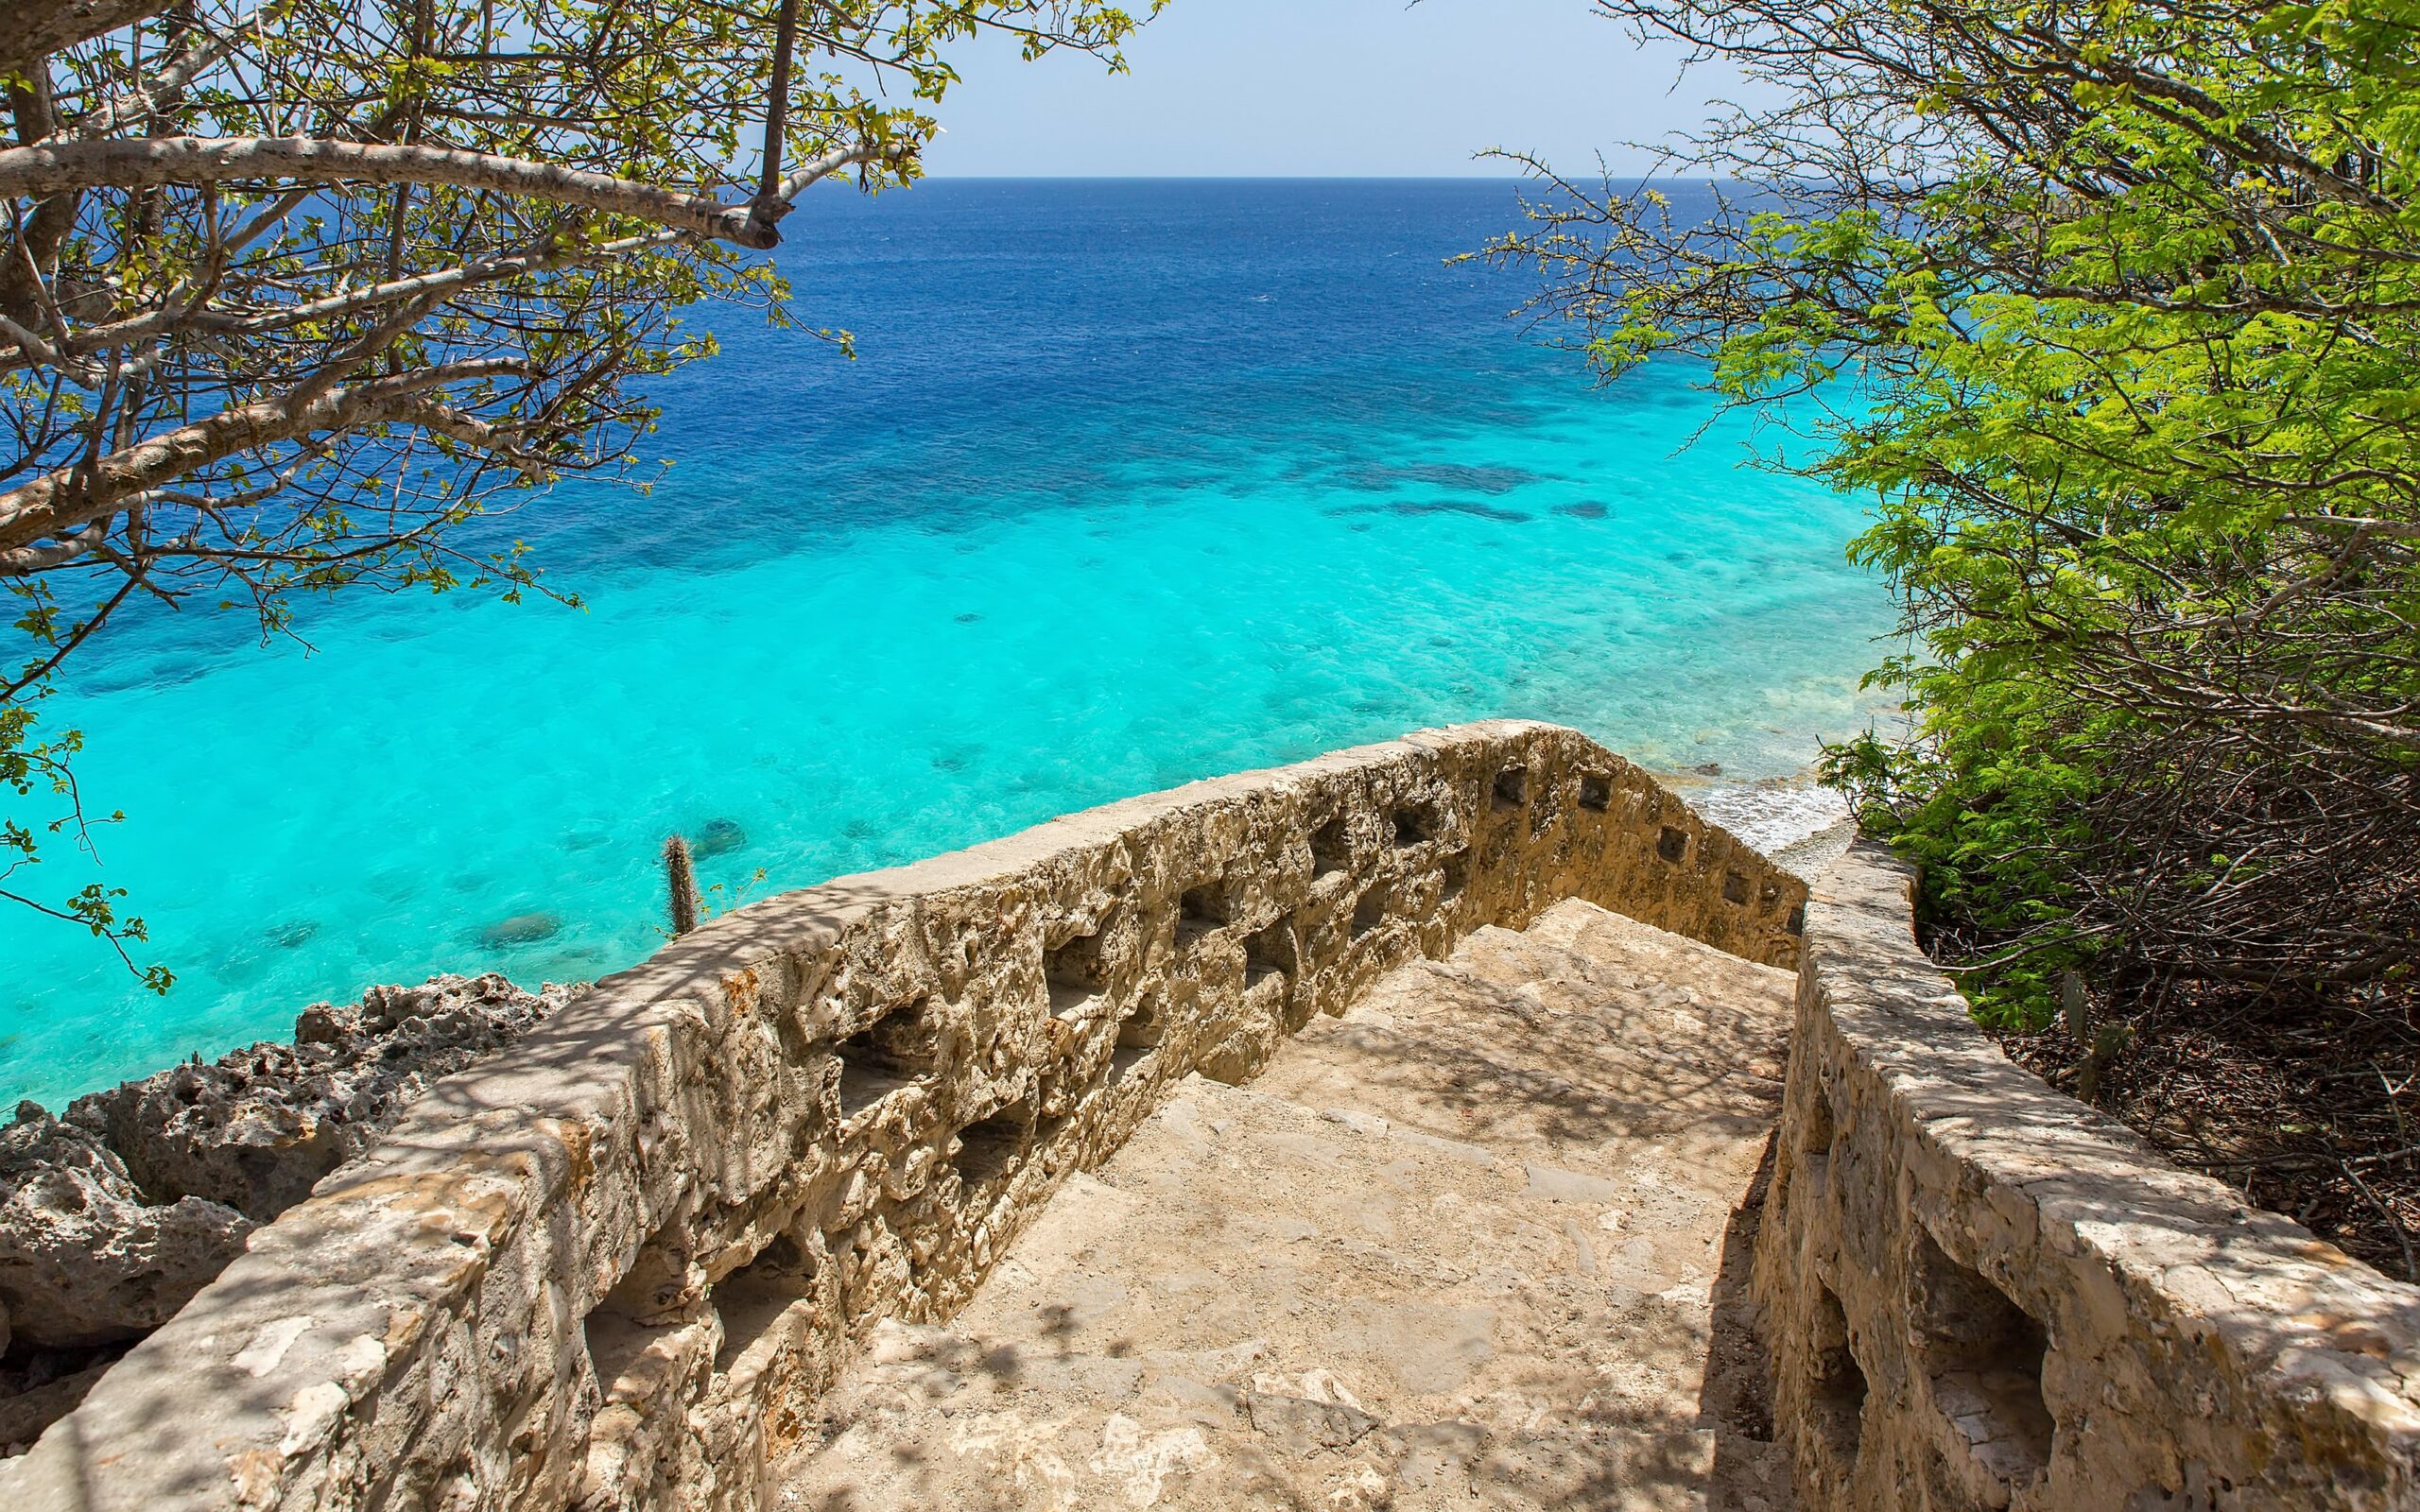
1131 483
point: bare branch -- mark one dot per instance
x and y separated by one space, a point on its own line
60 167
72 497
31 28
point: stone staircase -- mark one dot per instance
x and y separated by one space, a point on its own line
1480 1239
1479 1242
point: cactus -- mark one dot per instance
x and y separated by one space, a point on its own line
680 880
2075 1009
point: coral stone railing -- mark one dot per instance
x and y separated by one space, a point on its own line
1980 1292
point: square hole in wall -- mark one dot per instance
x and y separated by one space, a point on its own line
1983 1354
897 1050
988 1147
1268 951
661 1286
1837 1390
1139 1033
1735 888
1511 788
1128 1061
1456 874
1820 1128
1370 909
1595 792
1809 1161
753 1299
1076 974
1200 911
1331 849
1671 844
618 1353
1144 1025
1048 1127
1415 824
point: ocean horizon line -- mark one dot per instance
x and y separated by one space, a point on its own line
1271 177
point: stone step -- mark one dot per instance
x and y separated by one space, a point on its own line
1461 1247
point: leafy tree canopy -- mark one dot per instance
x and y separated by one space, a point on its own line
290 290
2113 307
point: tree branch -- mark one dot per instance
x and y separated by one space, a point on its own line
71 497
31 28
54 167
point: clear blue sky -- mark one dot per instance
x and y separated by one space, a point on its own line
1326 87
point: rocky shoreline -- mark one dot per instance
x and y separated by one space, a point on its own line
114 1214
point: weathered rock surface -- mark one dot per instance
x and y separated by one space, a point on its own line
1982 1293
84 1259
258 1129
112 1218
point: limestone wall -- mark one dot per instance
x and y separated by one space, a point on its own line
1982 1293
611 1267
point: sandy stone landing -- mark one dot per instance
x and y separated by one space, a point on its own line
1471 1245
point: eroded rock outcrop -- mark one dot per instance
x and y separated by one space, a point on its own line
112 1217
258 1129
84 1258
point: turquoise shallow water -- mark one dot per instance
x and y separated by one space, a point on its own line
1134 484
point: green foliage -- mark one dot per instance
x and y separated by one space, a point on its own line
1989 828
2113 311
28 765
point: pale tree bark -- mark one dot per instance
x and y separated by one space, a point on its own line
31 29
48 169
73 498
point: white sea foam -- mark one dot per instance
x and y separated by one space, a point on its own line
1771 815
